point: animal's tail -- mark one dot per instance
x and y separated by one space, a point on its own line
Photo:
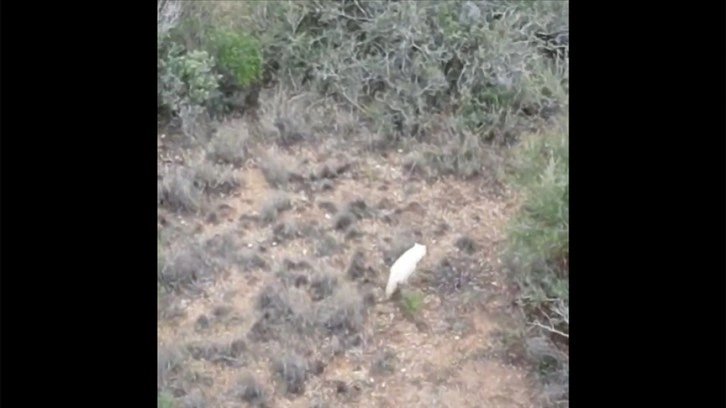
390 288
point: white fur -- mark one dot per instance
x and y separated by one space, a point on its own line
404 267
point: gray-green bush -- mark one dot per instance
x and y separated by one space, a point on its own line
539 234
185 78
408 67
205 67
215 28
538 250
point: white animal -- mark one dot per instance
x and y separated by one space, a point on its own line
404 267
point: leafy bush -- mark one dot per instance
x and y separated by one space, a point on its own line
237 59
185 78
238 55
215 27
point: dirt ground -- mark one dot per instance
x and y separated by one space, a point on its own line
295 316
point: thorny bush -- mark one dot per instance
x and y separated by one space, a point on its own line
409 66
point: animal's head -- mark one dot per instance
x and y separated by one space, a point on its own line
420 248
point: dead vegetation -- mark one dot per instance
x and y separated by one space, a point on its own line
231 354
175 376
187 268
249 390
292 371
274 205
229 145
276 173
187 187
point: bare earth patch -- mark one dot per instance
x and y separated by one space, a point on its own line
296 317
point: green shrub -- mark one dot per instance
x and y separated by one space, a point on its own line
164 400
538 248
238 55
185 78
412 302
216 27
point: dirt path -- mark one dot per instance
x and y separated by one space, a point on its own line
442 354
